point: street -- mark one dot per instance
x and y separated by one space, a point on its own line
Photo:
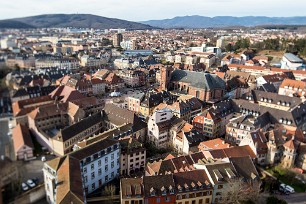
296 198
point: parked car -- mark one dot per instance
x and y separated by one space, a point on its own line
35 180
286 188
24 187
31 183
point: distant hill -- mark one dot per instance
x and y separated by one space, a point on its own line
224 21
71 20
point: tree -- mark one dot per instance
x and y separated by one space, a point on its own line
110 190
237 191
229 47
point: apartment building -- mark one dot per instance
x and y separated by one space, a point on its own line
133 156
131 191
208 123
241 127
133 77
159 189
193 187
153 99
293 88
158 127
22 107
71 178
134 101
62 63
282 109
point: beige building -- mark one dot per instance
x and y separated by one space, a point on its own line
131 191
133 156
23 145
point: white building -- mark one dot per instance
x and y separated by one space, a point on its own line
7 43
72 177
291 62
158 127
91 61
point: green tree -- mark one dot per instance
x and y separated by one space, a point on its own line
229 47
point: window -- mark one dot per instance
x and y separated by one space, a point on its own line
112 156
93 175
113 175
112 164
99 171
106 168
85 179
220 186
106 178
92 166
85 170
167 199
197 94
99 163
93 186
106 159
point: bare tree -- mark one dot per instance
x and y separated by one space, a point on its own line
110 190
238 191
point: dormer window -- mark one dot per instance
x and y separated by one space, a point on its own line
230 173
194 187
152 191
171 190
128 191
179 187
138 190
207 183
218 175
200 185
163 190
186 187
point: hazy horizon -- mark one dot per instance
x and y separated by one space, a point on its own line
142 10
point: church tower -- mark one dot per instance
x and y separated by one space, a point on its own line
165 76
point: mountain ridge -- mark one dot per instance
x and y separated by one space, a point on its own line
197 21
71 20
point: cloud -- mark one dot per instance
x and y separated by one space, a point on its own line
139 10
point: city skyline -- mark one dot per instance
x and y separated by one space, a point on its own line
136 10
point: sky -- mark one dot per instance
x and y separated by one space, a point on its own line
141 10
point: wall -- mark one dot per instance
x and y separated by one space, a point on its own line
31 196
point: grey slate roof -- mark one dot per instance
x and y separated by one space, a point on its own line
80 126
296 115
198 79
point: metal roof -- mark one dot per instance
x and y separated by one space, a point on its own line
293 58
